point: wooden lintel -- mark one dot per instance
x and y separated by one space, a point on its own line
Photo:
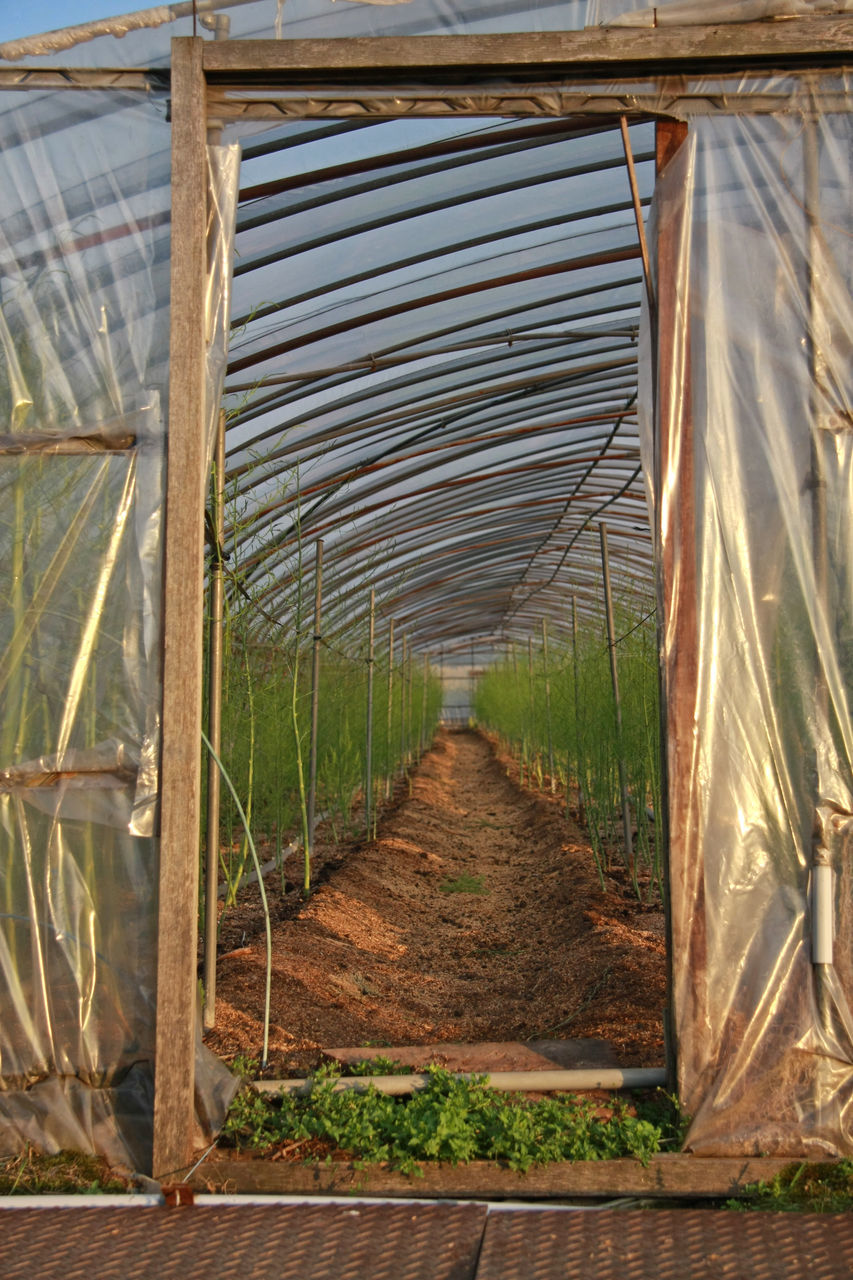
180 788
617 49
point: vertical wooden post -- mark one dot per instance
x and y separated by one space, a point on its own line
214 731
368 746
183 617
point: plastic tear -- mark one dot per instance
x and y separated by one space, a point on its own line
108 763
95 442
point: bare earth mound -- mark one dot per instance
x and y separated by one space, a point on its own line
476 915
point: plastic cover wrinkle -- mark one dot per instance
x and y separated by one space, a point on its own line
83 371
755 489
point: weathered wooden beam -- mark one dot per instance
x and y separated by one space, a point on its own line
180 787
683 1176
656 50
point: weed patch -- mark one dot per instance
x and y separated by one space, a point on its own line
65 1173
802 1188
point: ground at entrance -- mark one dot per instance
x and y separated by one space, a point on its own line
475 915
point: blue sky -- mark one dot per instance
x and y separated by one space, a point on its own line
45 15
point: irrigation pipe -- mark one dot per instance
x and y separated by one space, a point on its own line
503 1081
230 785
273 864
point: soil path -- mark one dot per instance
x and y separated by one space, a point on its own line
476 915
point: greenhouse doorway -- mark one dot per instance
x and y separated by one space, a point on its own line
673 375
500 370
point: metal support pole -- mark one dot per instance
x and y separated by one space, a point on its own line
638 214
214 731
403 702
575 674
531 711
548 705
614 675
424 705
410 693
315 693
389 724
822 876
368 750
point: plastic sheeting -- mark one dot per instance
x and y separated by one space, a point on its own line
753 555
83 379
142 38
754 231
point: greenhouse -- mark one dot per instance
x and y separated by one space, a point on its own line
423 341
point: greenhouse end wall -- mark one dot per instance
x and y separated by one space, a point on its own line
753 500
84 247
755 571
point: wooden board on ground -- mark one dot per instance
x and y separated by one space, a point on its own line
682 1177
515 1055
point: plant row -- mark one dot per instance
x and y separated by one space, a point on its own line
553 706
266 728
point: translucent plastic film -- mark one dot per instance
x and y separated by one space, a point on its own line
84 246
142 38
752 465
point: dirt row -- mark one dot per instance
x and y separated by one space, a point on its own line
476 915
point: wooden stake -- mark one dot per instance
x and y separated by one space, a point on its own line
183 613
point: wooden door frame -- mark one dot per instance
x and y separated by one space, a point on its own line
545 73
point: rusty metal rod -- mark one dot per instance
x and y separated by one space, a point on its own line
614 676
214 731
315 693
368 748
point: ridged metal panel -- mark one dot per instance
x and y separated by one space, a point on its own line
668 1244
269 1242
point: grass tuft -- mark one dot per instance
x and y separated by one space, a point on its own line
64 1173
802 1188
464 884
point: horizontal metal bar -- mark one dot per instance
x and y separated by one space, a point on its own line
370 364
471 100
51 78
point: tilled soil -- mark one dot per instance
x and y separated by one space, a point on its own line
476 915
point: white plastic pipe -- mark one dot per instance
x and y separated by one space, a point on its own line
823 913
504 1081
709 12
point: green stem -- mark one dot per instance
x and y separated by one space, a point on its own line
230 785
